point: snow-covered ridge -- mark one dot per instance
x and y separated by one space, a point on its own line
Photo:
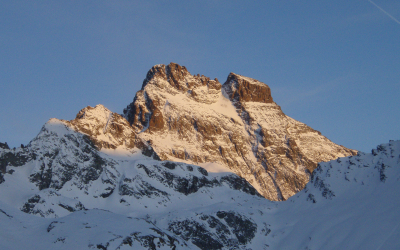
63 171
67 174
108 131
350 203
369 170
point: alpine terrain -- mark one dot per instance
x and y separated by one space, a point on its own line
237 125
193 164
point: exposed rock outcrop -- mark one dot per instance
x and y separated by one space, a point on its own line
108 130
105 128
4 145
244 89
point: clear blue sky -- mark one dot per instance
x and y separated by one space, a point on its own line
334 65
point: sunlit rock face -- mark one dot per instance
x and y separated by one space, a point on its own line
108 130
195 119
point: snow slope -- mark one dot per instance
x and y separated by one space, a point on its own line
350 203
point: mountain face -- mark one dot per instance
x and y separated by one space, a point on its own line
237 125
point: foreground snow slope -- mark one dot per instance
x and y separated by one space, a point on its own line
60 192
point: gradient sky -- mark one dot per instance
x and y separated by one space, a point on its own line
334 65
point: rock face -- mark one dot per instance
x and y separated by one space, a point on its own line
192 118
105 128
244 89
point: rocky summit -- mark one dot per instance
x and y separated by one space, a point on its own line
237 125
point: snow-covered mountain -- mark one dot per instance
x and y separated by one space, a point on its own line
120 198
60 192
167 174
237 125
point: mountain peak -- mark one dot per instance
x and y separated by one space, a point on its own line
178 77
194 119
99 112
172 73
145 114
